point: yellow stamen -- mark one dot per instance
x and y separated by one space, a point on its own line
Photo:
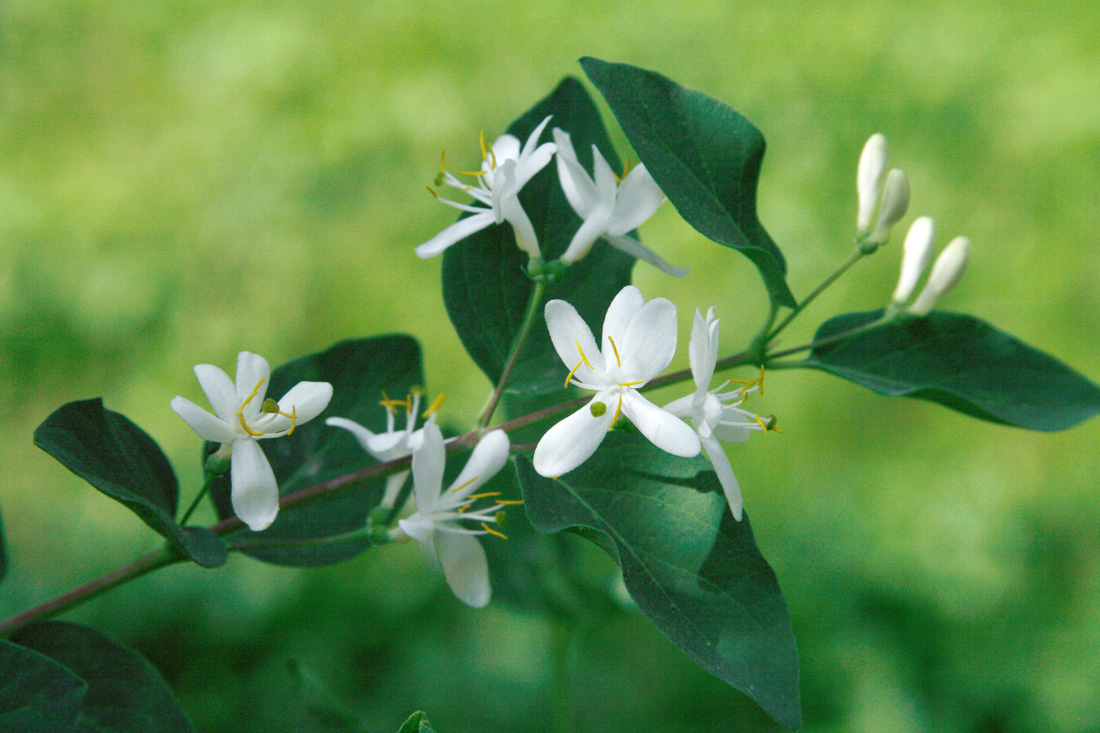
482 496
616 350
436 404
631 384
462 486
293 418
760 423
618 411
249 398
433 193
442 161
484 155
572 371
247 429
493 532
509 502
583 357
749 384
471 173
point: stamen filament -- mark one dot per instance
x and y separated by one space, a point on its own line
618 411
583 357
464 485
249 398
573 371
247 429
493 532
616 350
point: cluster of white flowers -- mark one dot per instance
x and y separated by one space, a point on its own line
609 208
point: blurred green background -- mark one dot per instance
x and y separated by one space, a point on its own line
180 181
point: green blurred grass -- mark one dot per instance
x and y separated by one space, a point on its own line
181 181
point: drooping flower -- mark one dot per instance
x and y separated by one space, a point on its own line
716 415
442 522
639 341
243 416
393 443
505 169
609 207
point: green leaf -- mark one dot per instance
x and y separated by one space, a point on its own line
115 456
691 567
417 723
359 372
3 550
485 287
962 363
36 693
125 694
705 157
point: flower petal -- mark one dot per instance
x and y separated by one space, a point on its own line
202 422
219 390
255 493
306 400
427 468
627 302
703 349
663 429
682 407
362 434
722 467
512 211
454 233
573 440
488 457
464 567
649 342
638 198
420 529
505 147
590 230
634 248
251 368
576 184
567 329
606 184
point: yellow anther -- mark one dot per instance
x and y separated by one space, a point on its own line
483 495
433 193
436 404
462 486
293 418
616 350
442 161
509 502
247 429
471 173
631 384
493 532
392 405
583 357
760 423
618 411
484 155
627 167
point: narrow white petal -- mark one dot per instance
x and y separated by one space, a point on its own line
526 239
534 163
576 184
427 469
634 248
590 230
219 390
733 434
567 330
362 434
420 529
464 567
533 139
255 493
625 305
251 368
488 457
306 400
649 343
730 487
663 429
701 352
454 233
573 440
606 185
505 147
638 198
202 422
682 407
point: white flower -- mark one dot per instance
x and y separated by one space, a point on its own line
505 168
639 341
716 415
393 443
440 523
917 253
610 208
946 273
243 416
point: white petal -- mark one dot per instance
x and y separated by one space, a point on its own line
464 567
219 390
649 343
533 140
703 349
638 198
606 185
454 233
576 184
634 248
202 422
722 467
590 230
917 254
663 429
732 434
512 211
682 407
505 147
306 400
362 434
567 330
427 468
255 493
534 163
420 529
573 440
488 457
872 165
626 304
251 368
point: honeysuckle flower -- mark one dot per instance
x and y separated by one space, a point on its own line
916 255
244 415
946 273
609 207
442 520
505 168
716 415
639 341
872 166
393 443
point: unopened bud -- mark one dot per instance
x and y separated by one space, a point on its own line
895 202
915 258
946 273
872 165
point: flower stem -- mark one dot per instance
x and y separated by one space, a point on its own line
855 257
831 339
529 317
195 504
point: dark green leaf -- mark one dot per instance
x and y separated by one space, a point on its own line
116 456
417 723
3 550
962 363
705 157
36 693
691 567
485 287
359 372
125 694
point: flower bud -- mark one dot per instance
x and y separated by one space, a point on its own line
872 165
915 259
895 202
946 273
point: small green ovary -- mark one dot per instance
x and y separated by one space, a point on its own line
598 409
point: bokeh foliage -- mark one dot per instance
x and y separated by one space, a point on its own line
180 181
